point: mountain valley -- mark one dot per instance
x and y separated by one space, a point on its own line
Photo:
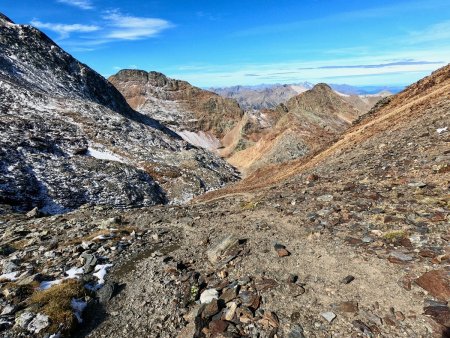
143 206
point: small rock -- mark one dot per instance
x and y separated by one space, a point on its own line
417 185
24 319
329 316
347 307
437 283
271 318
281 250
399 316
296 289
230 311
217 252
9 310
229 294
441 314
389 320
399 257
217 326
372 318
296 332
208 295
325 198
244 314
211 309
33 213
367 239
107 223
106 292
38 323
9 266
348 279
362 327
90 261
250 299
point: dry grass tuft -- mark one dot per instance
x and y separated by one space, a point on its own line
55 302
395 236
250 205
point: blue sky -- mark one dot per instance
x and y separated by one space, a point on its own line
222 43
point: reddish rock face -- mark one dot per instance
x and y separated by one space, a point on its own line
437 283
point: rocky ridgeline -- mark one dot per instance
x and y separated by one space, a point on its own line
69 138
303 125
177 103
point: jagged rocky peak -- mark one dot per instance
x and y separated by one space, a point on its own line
201 117
68 137
4 19
322 87
30 58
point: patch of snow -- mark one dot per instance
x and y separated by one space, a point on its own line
299 89
200 139
9 276
78 307
441 130
74 272
100 272
48 284
103 155
341 94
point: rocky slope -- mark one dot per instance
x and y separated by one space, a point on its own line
352 241
307 122
68 137
199 116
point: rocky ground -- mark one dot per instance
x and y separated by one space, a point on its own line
281 263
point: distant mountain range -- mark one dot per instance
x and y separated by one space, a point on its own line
266 96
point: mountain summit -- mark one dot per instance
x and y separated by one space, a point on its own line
301 126
199 116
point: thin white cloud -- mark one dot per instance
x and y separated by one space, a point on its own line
393 68
83 4
126 27
64 30
433 33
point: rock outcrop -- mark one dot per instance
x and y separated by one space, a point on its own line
68 137
199 116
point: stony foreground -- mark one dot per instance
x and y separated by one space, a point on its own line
282 263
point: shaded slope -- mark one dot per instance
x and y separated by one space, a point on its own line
68 137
